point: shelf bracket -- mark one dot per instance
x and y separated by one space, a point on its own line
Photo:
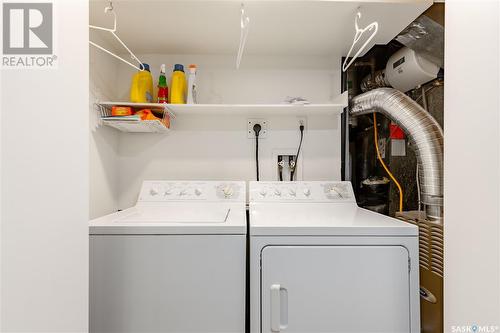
169 111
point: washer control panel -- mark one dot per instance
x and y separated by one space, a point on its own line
313 191
162 191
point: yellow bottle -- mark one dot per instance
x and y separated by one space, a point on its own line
141 90
177 93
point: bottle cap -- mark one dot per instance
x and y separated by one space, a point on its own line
146 67
192 66
178 67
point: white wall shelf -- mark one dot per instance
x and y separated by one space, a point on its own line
253 110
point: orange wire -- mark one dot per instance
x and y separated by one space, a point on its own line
375 137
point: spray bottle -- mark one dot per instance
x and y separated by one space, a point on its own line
162 86
191 87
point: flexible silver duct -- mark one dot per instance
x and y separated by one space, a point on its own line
378 81
424 133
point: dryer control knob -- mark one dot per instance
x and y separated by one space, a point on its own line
292 192
197 192
263 192
183 192
277 192
153 192
333 191
307 192
228 191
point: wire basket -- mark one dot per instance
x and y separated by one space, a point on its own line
134 124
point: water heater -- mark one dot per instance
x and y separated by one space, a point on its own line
406 70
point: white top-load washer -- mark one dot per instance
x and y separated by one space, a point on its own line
175 262
319 263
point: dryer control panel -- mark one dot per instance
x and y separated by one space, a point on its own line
163 191
303 191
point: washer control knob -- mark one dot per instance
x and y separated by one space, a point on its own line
307 192
277 192
197 191
228 191
153 192
292 192
263 192
182 192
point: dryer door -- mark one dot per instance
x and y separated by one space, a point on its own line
335 289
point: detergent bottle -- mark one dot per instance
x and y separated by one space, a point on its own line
162 86
141 90
178 86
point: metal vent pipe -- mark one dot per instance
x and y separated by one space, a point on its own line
424 133
377 81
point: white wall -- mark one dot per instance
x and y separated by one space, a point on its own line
217 147
44 195
103 146
260 79
472 168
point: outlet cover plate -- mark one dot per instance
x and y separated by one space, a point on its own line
286 152
263 131
303 121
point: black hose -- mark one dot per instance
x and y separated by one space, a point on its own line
280 167
257 155
292 172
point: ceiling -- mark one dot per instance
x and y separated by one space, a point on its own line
320 28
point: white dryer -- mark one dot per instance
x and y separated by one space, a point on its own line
319 263
173 263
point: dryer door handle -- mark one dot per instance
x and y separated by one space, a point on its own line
279 308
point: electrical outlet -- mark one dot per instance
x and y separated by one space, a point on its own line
302 121
263 131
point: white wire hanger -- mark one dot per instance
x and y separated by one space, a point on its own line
244 25
357 36
109 9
